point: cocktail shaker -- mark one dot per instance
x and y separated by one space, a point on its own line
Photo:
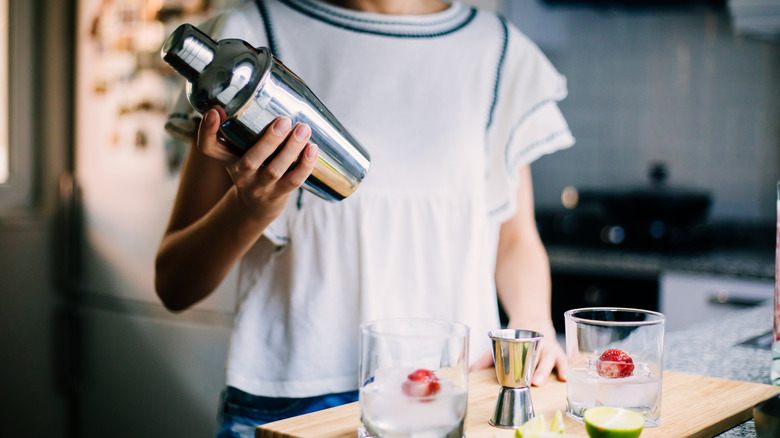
253 88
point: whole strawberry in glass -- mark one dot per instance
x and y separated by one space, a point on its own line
614 364
421 383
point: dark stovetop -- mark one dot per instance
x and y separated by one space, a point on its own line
721 248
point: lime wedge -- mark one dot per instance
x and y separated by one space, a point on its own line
536 424
609 422
538 434
557 423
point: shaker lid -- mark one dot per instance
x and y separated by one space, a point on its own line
189 50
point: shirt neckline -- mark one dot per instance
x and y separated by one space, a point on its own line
456 16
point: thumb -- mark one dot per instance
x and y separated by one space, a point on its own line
207 138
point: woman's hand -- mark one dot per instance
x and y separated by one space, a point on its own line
484 361
551 355
263 187
217 216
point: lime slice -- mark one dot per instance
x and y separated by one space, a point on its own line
536 424
557 423
609 422
538 434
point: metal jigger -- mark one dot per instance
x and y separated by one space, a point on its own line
514 352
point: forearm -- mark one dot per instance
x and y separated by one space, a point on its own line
523 280
192 261
523 283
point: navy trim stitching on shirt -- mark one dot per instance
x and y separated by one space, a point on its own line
520 122
316 7
499 67
276 235
269 32
333 22
533 145
521 153
533 110
498 209
274 51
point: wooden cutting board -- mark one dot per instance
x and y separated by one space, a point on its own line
691 406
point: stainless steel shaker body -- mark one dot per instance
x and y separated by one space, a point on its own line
254 88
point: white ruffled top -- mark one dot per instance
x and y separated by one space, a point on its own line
449 106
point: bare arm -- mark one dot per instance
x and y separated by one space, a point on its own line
523 281
223 205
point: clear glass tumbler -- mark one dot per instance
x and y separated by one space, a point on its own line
615 358
413 378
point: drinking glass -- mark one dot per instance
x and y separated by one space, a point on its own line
413 378
615 358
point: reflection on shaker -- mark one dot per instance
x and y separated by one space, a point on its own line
254 88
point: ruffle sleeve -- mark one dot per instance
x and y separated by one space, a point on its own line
525 121
183 120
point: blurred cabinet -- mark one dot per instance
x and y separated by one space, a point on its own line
147 374
688 298
575 290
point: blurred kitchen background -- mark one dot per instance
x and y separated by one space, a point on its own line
667 201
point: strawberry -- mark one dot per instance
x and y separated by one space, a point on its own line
615 363
421 383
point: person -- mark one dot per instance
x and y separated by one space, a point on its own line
453 103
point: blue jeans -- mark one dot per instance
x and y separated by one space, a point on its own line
240 412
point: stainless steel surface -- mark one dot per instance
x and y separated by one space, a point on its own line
767 418
196 54
254 88
514 352
513 408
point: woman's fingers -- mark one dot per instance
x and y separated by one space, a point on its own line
276 168
296 176
562 366
551 355
269 167
207 138
543 369
246 170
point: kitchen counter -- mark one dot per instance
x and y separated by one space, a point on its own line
713 349
732 262
734 249
710 349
